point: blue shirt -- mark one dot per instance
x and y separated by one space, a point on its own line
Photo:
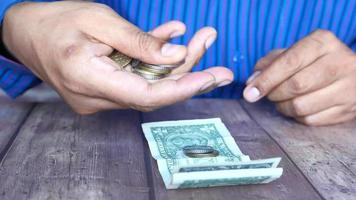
248 29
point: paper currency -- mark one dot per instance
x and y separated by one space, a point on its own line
170 141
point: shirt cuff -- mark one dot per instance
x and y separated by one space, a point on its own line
15 78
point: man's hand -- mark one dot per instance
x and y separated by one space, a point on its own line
67 45
314 81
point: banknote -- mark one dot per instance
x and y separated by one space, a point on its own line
230 166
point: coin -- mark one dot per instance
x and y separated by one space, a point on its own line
135 62
148 75
155 70
121 59
200 151
161 67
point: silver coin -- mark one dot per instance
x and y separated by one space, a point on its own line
135 62
148 76
161 67
146 68
203 155
200 151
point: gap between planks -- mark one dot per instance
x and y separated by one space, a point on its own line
282 149
148 163
11 141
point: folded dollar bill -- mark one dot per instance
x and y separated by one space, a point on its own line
202 153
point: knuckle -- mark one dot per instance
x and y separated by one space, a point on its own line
102 7
97 9
293 59
323 35
297 86
298 107
144 42
309 121
70 51
323 39
264 84
332 71
261 63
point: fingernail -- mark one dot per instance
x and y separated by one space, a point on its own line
207 86
169 49
253 76
252 94
210 41
223 83
176 34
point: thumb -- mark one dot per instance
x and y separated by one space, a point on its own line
115 31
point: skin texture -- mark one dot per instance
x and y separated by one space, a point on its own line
313 82
66 44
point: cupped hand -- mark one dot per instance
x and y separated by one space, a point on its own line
314 81
67 44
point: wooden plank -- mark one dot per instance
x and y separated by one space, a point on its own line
12 116
60 155
251 139
326 155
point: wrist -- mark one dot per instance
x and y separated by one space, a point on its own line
15 30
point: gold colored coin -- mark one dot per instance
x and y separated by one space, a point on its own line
120 59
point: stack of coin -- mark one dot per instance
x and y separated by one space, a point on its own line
145 70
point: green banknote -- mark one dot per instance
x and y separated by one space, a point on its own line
230 167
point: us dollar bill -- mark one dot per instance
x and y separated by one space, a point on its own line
168 139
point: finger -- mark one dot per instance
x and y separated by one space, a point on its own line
169 30
267 60
128 39
319 74
100 49
313 102
299 56
189 85
223 76
263 63
197 46
330 116
130 89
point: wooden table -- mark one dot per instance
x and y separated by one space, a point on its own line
48 152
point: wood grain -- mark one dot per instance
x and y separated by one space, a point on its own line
326 155
60 155
251 139
12 116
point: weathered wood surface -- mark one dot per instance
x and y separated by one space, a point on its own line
326 155
12 116
60 155
252 141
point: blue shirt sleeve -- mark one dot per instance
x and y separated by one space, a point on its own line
15 79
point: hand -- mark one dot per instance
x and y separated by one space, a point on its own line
67 45
314 81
